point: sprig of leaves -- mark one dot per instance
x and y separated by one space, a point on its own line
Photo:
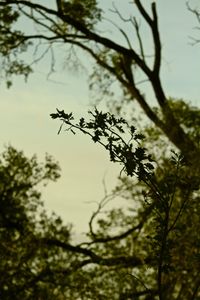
115 135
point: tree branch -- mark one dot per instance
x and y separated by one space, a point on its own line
143 12
156 38
89 34
125 234
125 261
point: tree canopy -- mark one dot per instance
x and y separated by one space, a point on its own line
148 248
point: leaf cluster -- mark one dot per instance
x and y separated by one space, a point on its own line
12 44
85 12
23 224
118 137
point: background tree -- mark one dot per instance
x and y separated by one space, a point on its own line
23 223
75 23
123 252
161 204
151 249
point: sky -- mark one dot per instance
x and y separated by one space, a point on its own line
25 122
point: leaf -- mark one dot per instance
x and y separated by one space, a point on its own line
139 136
140 153
54 116
133 129
8 83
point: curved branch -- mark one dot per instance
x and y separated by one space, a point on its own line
123 260
143 12
125 234
156 38
131 87
137 29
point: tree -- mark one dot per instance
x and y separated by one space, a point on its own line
119 259
75 23
146 252
23 224
160 220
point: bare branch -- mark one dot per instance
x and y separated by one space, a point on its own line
194 11
123 33
100 206
143 12
137 29
125 234
130 86
116 11
156 37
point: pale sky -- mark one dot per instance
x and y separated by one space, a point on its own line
26 125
